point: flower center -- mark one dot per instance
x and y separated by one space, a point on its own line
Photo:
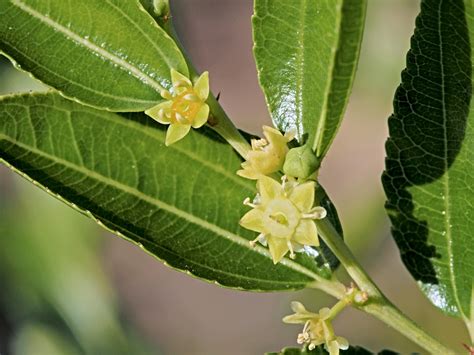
281 218
185 107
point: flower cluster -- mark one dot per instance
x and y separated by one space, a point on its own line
282 213
185 106
317 329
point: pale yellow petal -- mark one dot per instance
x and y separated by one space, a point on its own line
332 348
295 319
249 173
324 313
268 188
297 307
179 79
201 87
265 162
275 138
278 248
306 233
176 132
253 220
270 131
201 116
302 196
154 112
343 343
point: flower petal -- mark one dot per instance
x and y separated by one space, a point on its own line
268 188
271 132
343 343
201 116
201 87
179 79
297 307
155 110
176 132
306 233
278 248
295 319
248 173
324 313
302 196
332 348
253 220
276 139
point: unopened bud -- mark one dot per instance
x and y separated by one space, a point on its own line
300 162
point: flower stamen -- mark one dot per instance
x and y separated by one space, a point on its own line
248 203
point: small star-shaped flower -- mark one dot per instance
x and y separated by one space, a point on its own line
185 106
267 155
317 329
284 216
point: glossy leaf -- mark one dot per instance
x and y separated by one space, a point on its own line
109 54
181 204
306 54
429 178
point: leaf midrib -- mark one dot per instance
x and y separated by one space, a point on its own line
324 111
446 183
88 45
137 127
164 206
300 54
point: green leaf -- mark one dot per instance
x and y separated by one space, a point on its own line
109 54
181 204
429 178
353 350
306 54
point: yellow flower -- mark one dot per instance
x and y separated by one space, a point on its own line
317 329
185 106
284 216
267 155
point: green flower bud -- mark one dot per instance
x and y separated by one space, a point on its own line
300 162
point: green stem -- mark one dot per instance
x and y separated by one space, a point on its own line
338 307
377 305
221 123
334 241
332 287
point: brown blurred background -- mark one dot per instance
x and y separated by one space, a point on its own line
174 314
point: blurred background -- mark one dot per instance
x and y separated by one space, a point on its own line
69 287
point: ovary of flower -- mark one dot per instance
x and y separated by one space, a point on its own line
284 216
317 329
267 155
185 106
